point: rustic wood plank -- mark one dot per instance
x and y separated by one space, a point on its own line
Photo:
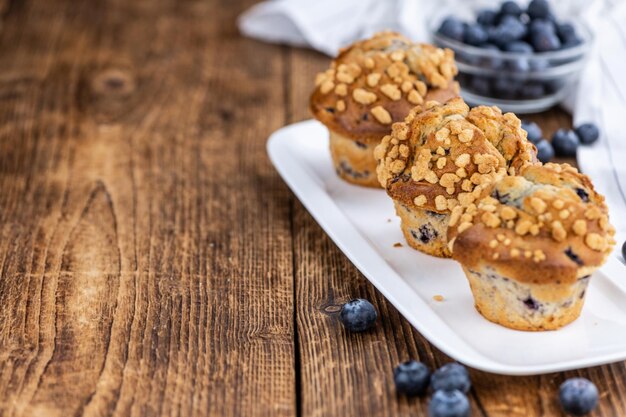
351 375
145 248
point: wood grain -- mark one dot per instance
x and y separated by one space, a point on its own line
153 263
145 240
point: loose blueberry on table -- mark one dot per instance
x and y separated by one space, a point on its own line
624 251
452 376
511 28
358 315
588 133
578 396
449 403
411 378
565 142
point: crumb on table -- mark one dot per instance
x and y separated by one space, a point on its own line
397 245
438 297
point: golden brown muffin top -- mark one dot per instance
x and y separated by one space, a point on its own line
546 224
444 155
377 81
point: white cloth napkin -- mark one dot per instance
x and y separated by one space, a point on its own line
327 25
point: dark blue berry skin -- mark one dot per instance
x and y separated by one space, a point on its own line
411 378
624 251
539 9
451 376
533 130
532 90
510 8
518 65
539 64
494 62
566 32
358 315
504 88
578 396
588 133
565 142
544 41
508 30
452 28
518 47
449 404
487 17
480 85
475 34
545 151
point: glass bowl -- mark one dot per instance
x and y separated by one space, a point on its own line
513 81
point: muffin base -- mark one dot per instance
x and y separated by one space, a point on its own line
525 306
354 161
426 231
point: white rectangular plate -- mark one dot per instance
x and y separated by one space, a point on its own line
362 222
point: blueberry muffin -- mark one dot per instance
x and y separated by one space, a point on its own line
370 85
529 244
444 155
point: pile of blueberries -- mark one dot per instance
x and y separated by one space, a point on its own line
512 29
451 383
564 142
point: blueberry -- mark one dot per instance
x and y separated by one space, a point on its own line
533 90
545 151
566 32
487 17
475 35
519 47
539 9
533 130
358 315
494 62
578 396
510 29
518 65
624 251
569 252
588 133
570 43
584 195
565 142
504 88
411 378
452 28
451 376
480 85
541 25
510 7
544 41
449 404
531 303
539 64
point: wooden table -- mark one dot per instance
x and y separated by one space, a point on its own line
152 261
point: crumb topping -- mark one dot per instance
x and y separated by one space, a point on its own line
382 70
446 149
542 202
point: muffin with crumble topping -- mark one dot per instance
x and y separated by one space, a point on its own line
442 156
529 245
370 85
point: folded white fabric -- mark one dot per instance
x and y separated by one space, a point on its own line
327 25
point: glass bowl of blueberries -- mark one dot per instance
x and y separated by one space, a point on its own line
523 60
